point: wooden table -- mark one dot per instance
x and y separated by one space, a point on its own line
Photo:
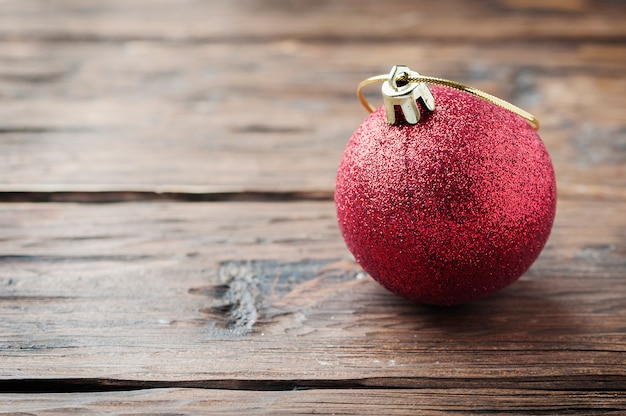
168 241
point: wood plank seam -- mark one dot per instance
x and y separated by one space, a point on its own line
599 383
133 195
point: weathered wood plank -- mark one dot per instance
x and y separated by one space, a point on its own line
253 291
137 114
355 20
163 118
329 402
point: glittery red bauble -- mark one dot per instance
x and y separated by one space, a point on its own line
451 209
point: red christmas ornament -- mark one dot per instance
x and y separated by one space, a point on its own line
450 209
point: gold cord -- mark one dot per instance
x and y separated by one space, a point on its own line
445 83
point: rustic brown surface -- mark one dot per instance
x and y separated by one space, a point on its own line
361 402
180 108
246 300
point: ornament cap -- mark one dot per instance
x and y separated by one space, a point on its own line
403 84
398 91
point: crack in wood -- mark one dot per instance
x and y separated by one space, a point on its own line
131 195
596 383
14 258
39 299
321 38
43 130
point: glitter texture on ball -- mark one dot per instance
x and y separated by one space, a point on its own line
451 209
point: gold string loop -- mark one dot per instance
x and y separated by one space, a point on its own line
416 78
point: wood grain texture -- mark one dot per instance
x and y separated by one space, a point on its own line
249 20
273 114
362 402
246 301
150 291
